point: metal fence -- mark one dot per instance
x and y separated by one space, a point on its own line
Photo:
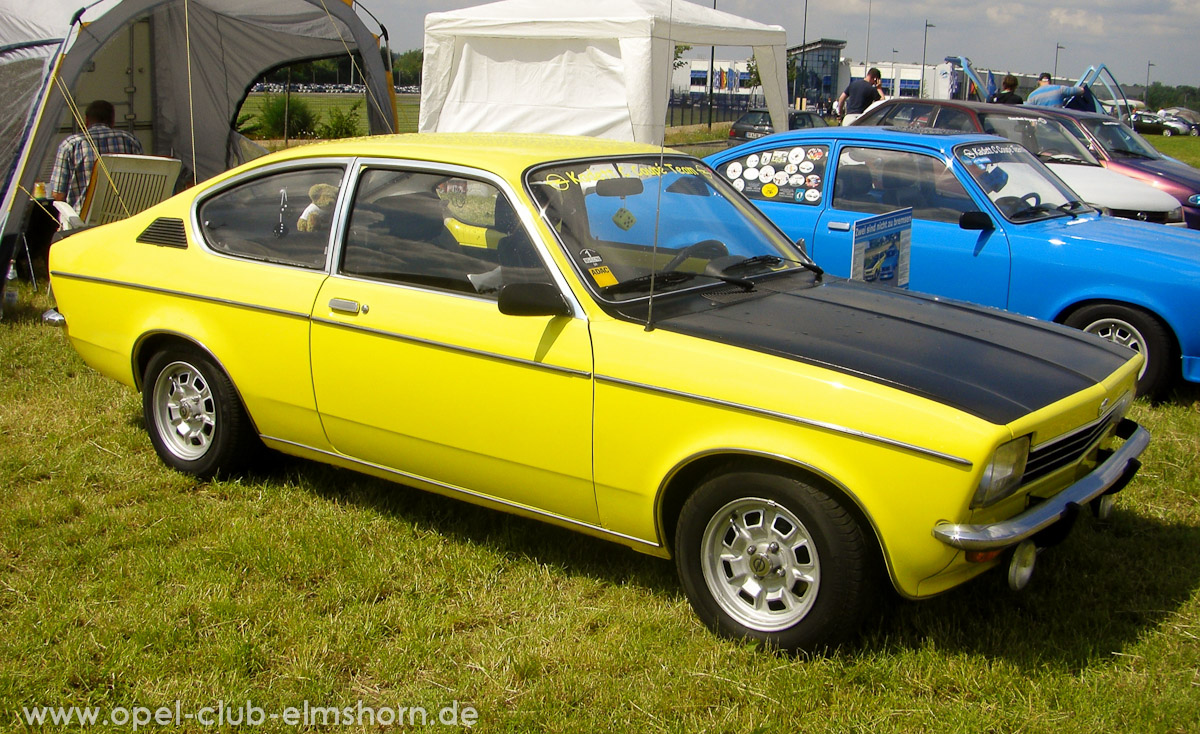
725 108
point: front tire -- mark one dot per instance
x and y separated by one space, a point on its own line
768 557
1140 332
193 414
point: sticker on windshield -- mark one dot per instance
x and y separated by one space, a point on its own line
816 154
751 173
795 155
806 167
770 190
766 174
590 257
602 276
779 157
734 170
812 196
752 161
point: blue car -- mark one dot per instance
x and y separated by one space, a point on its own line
992 225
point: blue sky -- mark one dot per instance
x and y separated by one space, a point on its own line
1005 36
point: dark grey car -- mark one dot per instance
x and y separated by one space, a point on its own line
757 122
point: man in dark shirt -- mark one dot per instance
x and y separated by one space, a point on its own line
1009 95
859 95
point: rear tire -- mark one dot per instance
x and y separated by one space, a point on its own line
193 414
1140 332
765 556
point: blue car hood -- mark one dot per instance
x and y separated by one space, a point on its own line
1120 238
985 362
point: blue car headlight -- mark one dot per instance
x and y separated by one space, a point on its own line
1194 199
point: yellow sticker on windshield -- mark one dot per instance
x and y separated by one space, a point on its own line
603 276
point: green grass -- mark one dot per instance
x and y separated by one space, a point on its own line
123 583
1184 147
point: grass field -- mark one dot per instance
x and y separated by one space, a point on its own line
125 584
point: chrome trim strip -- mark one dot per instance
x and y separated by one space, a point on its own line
787 417
1000 535
181 294
452 347
466 492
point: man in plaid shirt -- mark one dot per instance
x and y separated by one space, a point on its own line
77 154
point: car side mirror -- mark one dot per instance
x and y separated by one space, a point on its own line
532 299
976 220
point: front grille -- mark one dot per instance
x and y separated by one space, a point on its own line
1064 450
165 231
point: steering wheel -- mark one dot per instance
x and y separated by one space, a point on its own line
704 248
1008 204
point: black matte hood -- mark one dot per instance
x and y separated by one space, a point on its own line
985 362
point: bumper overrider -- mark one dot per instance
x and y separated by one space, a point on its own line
1108 478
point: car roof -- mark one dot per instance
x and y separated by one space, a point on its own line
930 138
505 153
977 107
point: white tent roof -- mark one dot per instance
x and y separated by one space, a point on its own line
577 66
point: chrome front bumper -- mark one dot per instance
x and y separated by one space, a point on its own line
1111 476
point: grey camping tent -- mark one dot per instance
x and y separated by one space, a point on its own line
176 70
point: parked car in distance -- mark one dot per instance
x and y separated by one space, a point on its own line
610 339
757 122
1179 126
1119 148
991 225
1149 123
1046 138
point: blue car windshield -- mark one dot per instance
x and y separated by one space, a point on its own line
621 220
1018 184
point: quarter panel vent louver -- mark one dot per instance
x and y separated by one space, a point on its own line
165 231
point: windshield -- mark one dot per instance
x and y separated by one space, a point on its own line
1049 140
1021 187
1119 139
627 221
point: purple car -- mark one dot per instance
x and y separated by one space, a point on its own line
1123 150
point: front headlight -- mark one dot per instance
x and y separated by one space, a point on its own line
1003 474
1194 199
1175 215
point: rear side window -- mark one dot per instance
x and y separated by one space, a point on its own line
793 174
283 218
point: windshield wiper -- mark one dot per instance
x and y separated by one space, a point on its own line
670 277
1070 207
1064 158
1134 154
773 260
1039 209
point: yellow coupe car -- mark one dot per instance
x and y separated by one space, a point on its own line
611 338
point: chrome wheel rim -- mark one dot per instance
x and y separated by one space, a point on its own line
1123 333
760 564
185 412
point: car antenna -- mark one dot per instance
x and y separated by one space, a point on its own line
662 145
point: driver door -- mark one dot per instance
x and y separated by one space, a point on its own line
416 370
946 259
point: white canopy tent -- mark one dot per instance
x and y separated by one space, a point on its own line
176 70
577 67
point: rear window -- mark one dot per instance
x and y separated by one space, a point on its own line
756 118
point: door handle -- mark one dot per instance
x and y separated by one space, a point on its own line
343 305
839 226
